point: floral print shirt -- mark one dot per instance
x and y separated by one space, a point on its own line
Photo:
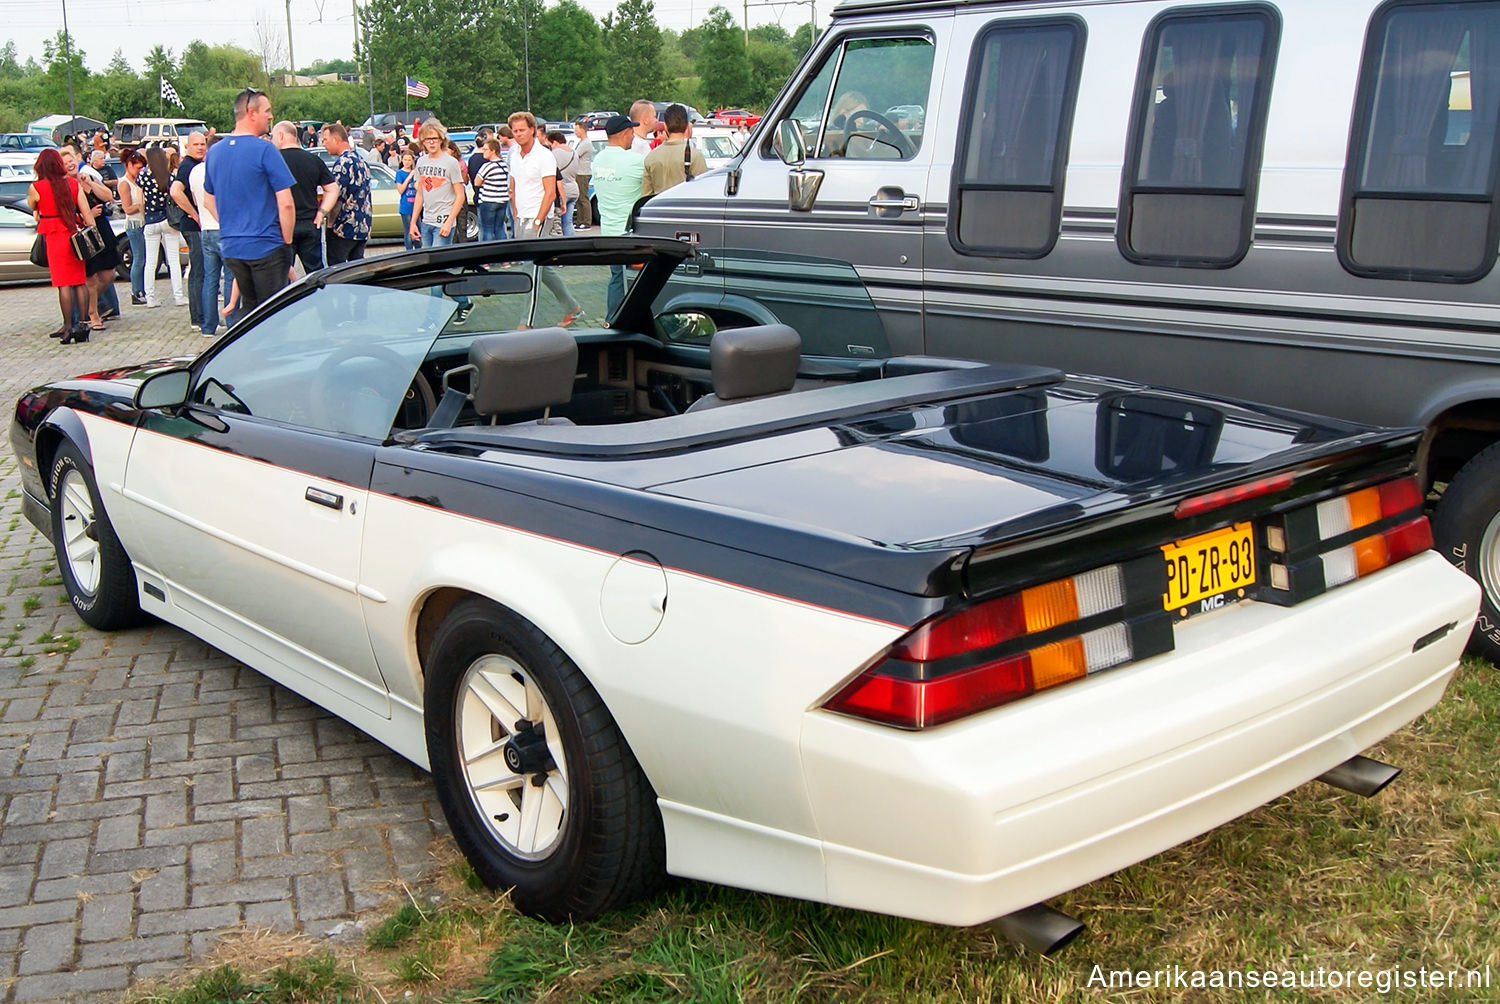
351 220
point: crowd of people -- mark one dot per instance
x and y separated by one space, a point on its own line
252 204
241 204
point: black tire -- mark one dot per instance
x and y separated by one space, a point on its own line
608 847
1466 528
101 585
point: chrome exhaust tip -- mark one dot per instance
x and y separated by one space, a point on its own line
1361 775
1040 928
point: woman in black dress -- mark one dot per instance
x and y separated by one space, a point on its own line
101 267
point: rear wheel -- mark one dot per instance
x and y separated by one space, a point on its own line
1466 528
95 570
538 786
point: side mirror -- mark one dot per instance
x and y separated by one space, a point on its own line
686 326
167 389
789 145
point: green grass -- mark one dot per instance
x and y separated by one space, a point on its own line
65 642
32 602
1317 878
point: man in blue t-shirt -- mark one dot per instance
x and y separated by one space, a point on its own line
249 190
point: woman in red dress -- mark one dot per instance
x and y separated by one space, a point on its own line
61 210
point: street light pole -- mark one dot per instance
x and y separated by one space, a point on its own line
369 60
290 58
68 59
526 46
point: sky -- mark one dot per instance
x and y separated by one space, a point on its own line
321 29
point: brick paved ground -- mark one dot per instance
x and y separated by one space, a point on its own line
154 793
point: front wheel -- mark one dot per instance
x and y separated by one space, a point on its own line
1466 528
541 792
95 570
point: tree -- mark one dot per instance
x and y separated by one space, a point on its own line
119 66
722 63
573 71
775 34
460 50
770 66
635 47
159 63
10 66
803 39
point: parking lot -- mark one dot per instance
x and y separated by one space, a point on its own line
154 793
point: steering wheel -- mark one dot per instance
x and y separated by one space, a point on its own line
335 403
886 131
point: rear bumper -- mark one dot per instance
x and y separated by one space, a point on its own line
983 817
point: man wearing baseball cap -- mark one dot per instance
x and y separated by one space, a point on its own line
617 185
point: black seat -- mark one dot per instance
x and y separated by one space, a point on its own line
513 371
749 363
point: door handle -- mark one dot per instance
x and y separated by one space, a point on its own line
321 497
907 203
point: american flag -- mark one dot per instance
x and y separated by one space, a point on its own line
416 88
169 93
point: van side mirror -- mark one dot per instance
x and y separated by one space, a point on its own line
789 145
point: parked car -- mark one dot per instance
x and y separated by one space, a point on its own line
22 142
679 589
595 120
1332 253
17 232
385 201
142 132
733 118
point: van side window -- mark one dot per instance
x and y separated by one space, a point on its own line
1192 163
1419 189
867 101
1018 110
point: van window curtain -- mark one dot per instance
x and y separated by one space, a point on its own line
1484 102
1415 78
1193 127
1026 67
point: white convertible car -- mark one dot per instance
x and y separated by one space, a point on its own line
707 583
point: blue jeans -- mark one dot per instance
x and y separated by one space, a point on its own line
431 238
567 216
492 219
406 231
616 291
137 237
214 271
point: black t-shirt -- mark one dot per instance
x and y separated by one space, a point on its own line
308 172
476 161
184 169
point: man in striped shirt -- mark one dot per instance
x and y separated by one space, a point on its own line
492 192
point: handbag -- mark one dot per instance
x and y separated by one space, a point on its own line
175 215
39 251
87 242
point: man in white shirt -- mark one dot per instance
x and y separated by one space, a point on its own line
533 177
533 191
643 114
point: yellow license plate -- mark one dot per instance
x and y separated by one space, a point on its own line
1202 569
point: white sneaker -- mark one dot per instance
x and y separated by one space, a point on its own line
181 301
152 302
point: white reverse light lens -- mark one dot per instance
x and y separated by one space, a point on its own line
1339 566
1334 518
1099 590
1106 647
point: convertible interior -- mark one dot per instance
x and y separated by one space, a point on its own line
543 350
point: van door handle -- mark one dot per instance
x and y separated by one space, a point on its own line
910 202
890 200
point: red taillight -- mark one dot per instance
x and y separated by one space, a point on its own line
1401 542
1229 496
975 628
918 704
979 657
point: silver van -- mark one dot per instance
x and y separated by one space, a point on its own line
1288 202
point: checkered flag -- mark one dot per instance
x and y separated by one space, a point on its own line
169 93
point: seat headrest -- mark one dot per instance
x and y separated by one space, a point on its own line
754 361
523 370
